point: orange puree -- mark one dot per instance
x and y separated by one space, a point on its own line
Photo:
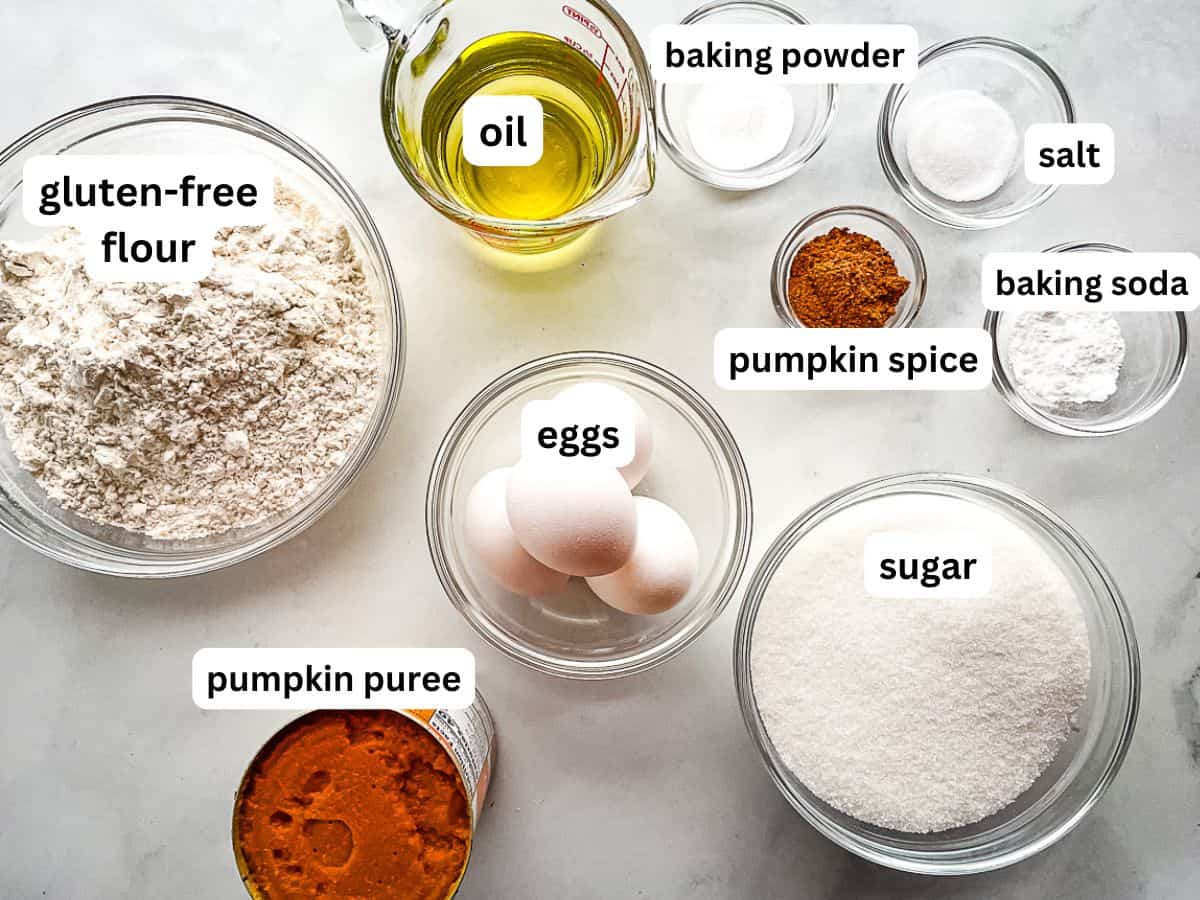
362 805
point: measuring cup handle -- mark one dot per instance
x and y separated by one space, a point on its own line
371 22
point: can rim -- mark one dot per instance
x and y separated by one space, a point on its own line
412 716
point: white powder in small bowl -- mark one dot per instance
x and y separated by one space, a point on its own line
1063 359
962 145
918 715
737 127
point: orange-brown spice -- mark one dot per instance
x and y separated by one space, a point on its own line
352 804
844 279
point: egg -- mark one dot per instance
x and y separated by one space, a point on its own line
592 398
490 537
574 517
662 568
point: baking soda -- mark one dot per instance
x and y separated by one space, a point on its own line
1063 359
918 715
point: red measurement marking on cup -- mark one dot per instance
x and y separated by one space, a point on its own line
607 60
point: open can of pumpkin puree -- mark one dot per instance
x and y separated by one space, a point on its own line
370 804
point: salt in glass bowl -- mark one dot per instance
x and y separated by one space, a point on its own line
896 239
1086 764
815 106
166 125
696 469
1008 73
1156 352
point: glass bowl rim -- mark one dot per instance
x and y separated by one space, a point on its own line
94 555
437 498
922 862
1030 413
780 268
744 181
887 156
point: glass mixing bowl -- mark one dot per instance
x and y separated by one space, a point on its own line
1012 75
1086 764
896 239
164 125
1156 352
697 469
815 106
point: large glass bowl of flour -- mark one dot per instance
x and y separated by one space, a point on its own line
1093 743
164 125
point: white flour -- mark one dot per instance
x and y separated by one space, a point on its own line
186 410
918 715
1064 358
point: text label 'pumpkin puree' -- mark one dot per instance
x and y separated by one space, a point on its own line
352 804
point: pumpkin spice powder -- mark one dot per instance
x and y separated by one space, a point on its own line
844 279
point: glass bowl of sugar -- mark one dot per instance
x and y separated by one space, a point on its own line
939 736
168 454
748 134
696 469
950 141
1089 373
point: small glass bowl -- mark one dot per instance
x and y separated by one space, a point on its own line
815 106
1012 75
165 125
697 470
1086 764
896 239
1156 352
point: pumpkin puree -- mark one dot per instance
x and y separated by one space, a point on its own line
364 805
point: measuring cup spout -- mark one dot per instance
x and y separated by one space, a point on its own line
372 22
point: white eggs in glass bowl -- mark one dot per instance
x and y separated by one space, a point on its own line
696 470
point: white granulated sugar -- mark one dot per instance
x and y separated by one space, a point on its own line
962 145
740 126
1061 359
918 715
186 410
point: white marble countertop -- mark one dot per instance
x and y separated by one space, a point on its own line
112 784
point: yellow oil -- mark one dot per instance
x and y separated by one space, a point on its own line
581 127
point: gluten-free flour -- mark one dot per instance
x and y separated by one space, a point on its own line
918 715
185 410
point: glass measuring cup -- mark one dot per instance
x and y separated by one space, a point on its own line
426 39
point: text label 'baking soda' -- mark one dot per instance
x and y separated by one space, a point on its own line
785 54
286 679
148 218
916 566
502 130
852 359
553 429
1081 153
1050 282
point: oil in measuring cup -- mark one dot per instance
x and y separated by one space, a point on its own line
582 127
